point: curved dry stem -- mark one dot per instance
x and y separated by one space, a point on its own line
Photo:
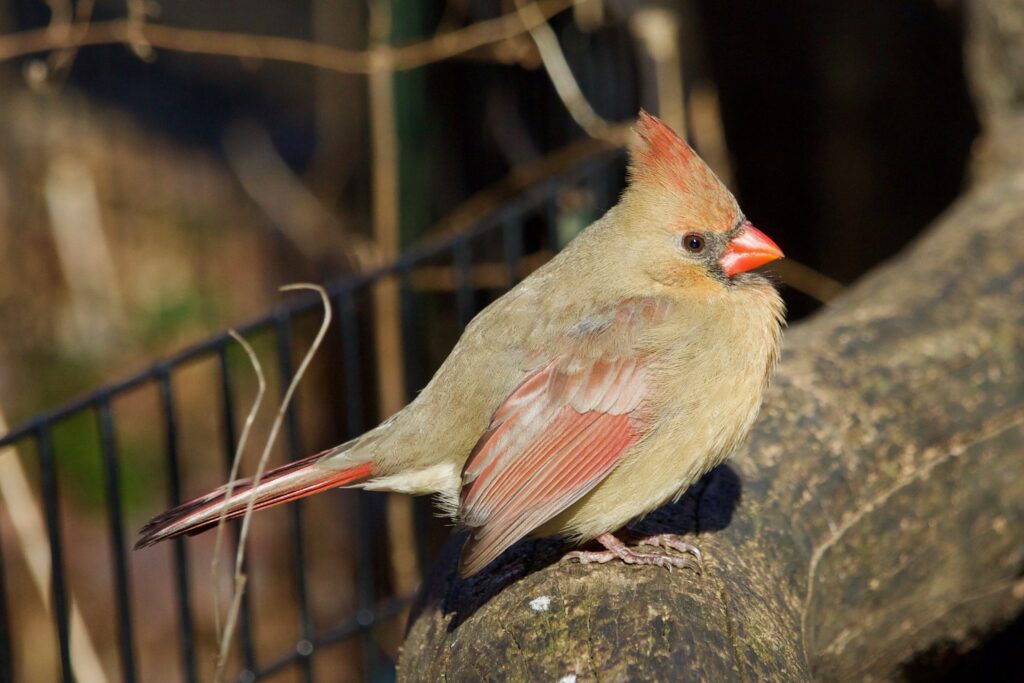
240 579
233 476
561 76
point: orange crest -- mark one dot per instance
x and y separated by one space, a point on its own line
664 158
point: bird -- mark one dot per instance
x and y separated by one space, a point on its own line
599 388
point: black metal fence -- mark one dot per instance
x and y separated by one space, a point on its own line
503 241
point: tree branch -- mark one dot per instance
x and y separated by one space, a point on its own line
243 46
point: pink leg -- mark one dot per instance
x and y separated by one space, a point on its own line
616 549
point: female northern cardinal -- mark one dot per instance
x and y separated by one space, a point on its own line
595 391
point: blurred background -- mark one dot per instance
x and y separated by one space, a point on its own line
165 167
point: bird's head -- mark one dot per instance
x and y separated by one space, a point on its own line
681 222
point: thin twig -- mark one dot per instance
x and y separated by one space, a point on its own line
558 70
232 476
61 14
276 48
69 25
294 210
240 579
809 281
136 23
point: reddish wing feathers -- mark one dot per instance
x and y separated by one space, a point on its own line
555 438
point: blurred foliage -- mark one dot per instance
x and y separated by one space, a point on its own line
174 314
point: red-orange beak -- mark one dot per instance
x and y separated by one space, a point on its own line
748 250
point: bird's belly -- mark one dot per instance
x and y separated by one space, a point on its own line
623 497
660 468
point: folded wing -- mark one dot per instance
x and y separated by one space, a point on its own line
553 439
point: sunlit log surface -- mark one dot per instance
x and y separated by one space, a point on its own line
877 511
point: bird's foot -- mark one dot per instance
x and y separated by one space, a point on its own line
662 557
674 542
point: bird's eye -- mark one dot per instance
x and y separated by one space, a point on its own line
693 242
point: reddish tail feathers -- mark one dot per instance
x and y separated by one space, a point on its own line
289 482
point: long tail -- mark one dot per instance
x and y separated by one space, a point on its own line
289 482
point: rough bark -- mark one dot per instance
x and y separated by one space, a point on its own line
877 511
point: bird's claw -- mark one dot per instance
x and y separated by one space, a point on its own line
616 549
673 542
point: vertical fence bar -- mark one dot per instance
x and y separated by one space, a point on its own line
366 584
122 587
188 650
245 627
512 249
6 651
59 604
462 259
352 360
304 647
